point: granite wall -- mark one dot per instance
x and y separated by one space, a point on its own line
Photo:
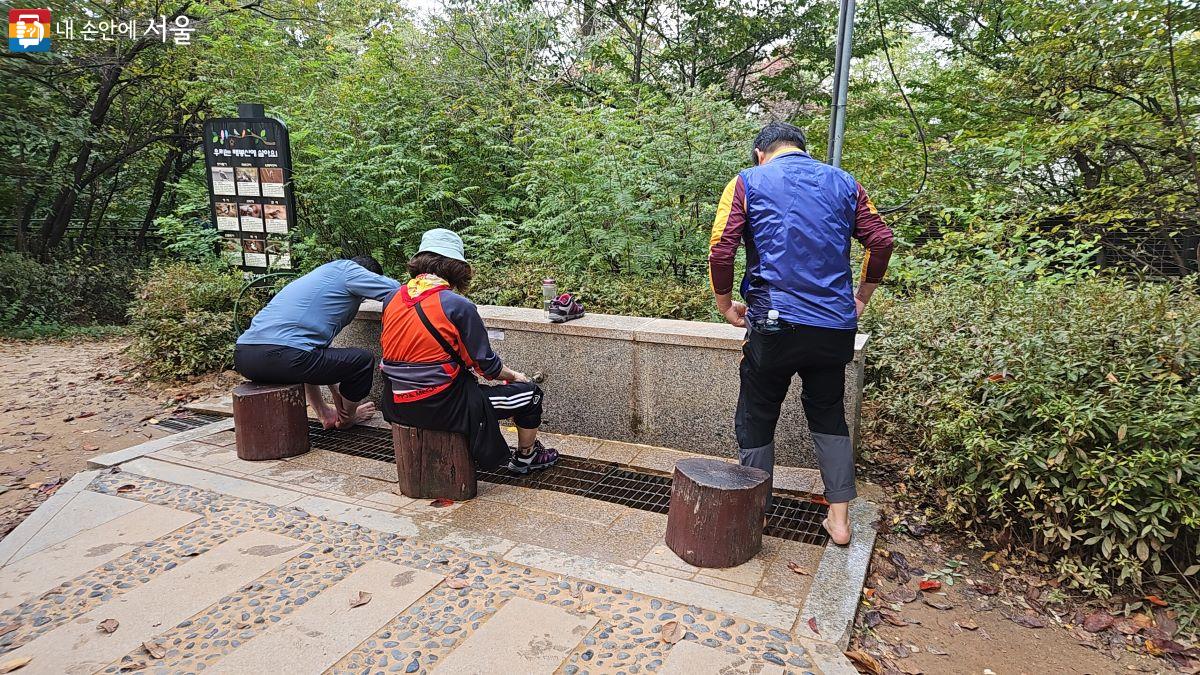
654 381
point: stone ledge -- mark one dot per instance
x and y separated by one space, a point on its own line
610 326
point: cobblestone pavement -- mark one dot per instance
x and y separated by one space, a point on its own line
206 562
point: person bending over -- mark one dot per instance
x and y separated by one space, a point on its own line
796 217
288 341
434 342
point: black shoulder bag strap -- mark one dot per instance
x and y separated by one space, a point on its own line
438 336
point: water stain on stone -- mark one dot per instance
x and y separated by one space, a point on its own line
267 550
102 549
402 579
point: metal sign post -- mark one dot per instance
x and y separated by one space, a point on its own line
841 81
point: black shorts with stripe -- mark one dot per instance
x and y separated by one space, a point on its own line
522 401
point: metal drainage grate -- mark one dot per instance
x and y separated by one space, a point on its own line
190 421
788 517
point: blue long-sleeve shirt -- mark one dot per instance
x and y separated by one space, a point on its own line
309 312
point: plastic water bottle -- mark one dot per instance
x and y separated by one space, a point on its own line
549 293
772 320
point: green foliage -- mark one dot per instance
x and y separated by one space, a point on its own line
1067 409
182 319
91 287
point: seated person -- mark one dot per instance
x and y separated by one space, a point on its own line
433 338
288 341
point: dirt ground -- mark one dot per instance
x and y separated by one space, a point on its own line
62 402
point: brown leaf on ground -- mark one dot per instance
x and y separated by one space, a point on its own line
441 503
930 585
15 664
900 594
909 668
671 632
1142 620
108 625
872 618
892 619
864 661
897 558
812 625
1156 601
936 651
360 599
1028 621
128 487
1126 627
154 649
455 582
1098 621
968 624
938 604
986 589
797 568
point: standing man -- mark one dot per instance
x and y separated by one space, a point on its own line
288 341
796 216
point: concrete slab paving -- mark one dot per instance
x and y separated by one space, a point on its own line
690 658
30 577
87 510
318 634
592 573
81 646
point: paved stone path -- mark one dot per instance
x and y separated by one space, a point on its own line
205 569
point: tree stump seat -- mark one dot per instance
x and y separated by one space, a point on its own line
270 421
716 513
433 464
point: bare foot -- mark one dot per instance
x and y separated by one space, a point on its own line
327 417
364 412
839 535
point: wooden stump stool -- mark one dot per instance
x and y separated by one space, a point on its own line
716 516
433 464
270 421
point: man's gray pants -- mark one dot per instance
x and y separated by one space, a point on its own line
819 357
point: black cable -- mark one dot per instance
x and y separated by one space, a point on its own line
912 113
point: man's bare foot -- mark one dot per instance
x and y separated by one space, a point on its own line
364 412
328 418
324 412
839 535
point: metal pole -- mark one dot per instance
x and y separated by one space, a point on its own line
845 40
836 84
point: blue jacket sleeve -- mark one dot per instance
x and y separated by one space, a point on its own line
367 284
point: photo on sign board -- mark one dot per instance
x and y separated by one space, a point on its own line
279 254
251 216
247 181
272 181
231 250
222 180
227 216
255 252
275 216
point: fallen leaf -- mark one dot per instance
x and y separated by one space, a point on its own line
900 594
930 585
455 582
91 448
986 589
899 560
1028 621
909 668
795 567
893 619
1111 378
154 649
864 661
968 624
1142 620
15 664
937 604
671 632
128 487
441 503
936 651
1156 601
1098 621
1127 627
108 625
359 600
872 618
812 625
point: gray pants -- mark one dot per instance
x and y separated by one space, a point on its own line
819 357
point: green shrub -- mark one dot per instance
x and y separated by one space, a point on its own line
91 287
1066 413
182 319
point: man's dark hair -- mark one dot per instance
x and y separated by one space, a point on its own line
368 263
457 272
775 135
